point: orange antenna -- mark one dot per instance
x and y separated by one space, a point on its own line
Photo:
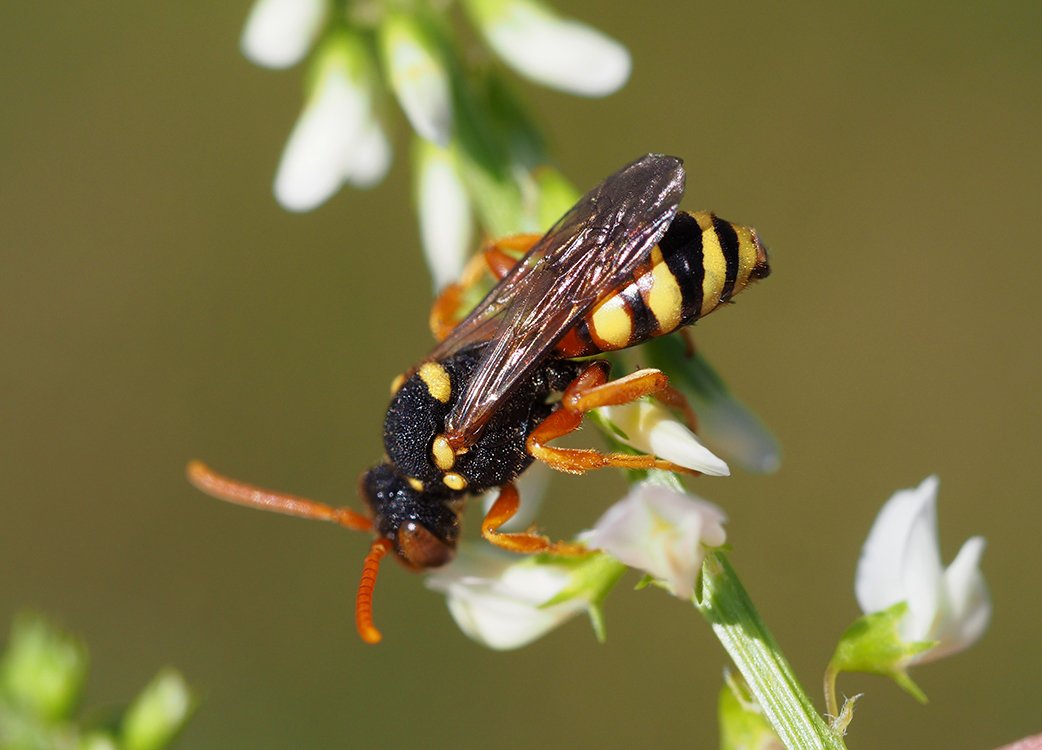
364 600
241 493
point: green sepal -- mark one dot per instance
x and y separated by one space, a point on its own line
158 713
43 670
345 48
556 195
873 644
592 578
742 723
484 161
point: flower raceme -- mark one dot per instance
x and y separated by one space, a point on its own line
341 135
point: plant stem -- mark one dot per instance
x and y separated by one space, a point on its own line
726 605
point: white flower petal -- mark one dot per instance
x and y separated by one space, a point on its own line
498 601
880 578
446 221
662 532
371 157
323 142
554 51
418 77
901 562
279 33
650 427
967 599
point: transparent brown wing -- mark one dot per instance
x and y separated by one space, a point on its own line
585 254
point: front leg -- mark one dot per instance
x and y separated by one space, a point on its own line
502 510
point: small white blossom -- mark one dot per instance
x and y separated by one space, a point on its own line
418 76
446 220
337 138
651 428
279 33
901 561
662 532
498 600
372 158
557 52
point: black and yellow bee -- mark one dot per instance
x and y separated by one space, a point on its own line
621 267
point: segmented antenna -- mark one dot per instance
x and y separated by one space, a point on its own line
364 600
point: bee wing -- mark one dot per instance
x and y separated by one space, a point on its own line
583 256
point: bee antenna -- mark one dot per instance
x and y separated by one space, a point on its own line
241 493
364 600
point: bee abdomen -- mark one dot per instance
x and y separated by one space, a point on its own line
700 262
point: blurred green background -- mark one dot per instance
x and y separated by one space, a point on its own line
157 305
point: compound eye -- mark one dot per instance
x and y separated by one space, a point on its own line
420 549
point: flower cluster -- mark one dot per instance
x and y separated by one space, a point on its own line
477 156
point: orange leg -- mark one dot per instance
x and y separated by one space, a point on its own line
240 493
503 510
670 396
591 390
445 313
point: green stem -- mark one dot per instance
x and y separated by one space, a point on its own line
726 605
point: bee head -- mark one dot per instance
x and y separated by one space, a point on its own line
422 527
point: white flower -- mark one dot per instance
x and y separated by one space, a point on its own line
498 601
662 532
279 33
372 157
418 77
446 222
901 562
650 427
337 138
554 51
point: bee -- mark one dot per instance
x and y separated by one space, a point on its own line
621 267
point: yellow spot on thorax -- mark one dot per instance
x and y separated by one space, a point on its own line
415 483
436 378
397 383
664 297
454 481
444 456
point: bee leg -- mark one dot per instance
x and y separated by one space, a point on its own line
240 493
445 313
590 390
502 510
670 396
689 342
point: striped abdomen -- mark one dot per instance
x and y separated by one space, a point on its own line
700 262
